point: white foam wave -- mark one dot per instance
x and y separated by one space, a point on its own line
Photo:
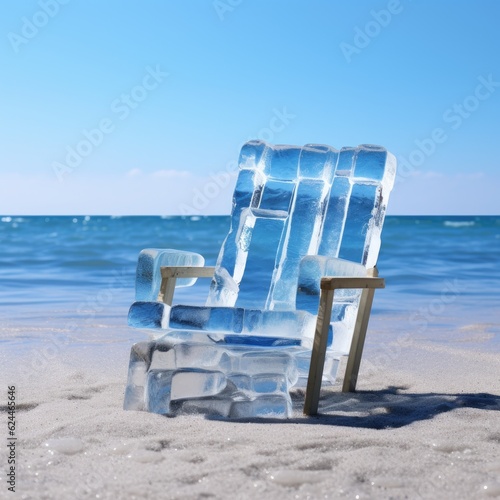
463 223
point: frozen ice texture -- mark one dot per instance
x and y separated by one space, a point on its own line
167 378
278 324
144 314
293 202
298 214
148 278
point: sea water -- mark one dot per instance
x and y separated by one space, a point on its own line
70 280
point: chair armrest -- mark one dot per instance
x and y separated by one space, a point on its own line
187 272
169 275
335 282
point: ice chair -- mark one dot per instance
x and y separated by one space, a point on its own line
304 223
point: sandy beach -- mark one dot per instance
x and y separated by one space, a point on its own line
424 424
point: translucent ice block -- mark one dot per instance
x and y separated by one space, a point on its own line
260 237
148 277
317 162
292 324
194 355
197 383
247 194
283 162
371 164
277 195
303 232
139 364
224 289
164 375
333 224
148 315
207 318
363 200
266 406
314 267
158 391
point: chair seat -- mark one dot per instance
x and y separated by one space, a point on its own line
242 326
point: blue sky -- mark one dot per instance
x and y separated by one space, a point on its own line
159 96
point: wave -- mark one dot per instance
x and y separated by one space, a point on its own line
463 223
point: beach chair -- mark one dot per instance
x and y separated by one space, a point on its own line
305 224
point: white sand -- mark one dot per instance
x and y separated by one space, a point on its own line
426 424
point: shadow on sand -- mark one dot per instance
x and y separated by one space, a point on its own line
386 409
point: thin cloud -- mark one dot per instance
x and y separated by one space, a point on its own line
172 174
134 172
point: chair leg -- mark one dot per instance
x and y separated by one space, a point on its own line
318 353
358 338
167 290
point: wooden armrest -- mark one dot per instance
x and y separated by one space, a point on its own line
187 272
335 283
169 275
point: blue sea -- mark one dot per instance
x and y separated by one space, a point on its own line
442 275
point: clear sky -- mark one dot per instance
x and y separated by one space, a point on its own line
128 107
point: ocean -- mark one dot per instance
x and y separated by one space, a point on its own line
56 273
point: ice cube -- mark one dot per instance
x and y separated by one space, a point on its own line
370 163
268 406
241 381
193 355
334 219
317 162
289 324
148 315
302 238
254 155
258 256
268 361
277 195
196 383
134 398
224 289
189 317
158 391
284 162
359 219
212 406
268 383
148 277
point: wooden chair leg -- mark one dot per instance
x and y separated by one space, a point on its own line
318 353
167 290
359 335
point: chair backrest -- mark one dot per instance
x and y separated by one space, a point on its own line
290 202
